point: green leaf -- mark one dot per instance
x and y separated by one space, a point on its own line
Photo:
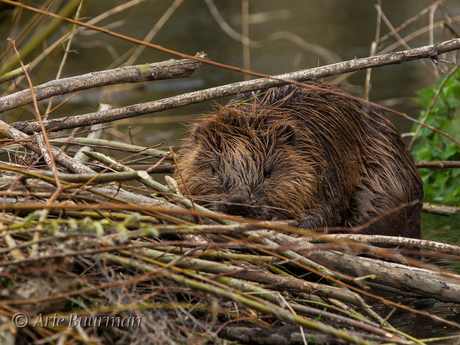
448 152
440 185
442 178
450 199
455 172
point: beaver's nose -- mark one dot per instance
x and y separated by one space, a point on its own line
237 206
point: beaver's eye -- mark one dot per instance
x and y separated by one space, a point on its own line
268 173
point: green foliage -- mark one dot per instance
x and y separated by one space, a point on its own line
440 185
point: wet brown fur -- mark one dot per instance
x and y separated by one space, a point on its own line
301 153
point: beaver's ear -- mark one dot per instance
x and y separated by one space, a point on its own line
286 135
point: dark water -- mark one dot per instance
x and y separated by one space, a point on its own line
423 327
442 229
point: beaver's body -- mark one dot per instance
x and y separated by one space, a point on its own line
301 153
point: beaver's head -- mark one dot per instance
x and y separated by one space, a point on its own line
244 160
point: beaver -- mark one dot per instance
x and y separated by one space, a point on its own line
294 152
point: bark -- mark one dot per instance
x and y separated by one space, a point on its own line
170 69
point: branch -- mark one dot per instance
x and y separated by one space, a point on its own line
411 279
60 157
170 69
442 210
437 164
392 241
432 52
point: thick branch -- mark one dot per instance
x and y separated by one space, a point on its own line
432 52
444 287
410 279
170 69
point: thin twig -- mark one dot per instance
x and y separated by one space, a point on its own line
43 134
